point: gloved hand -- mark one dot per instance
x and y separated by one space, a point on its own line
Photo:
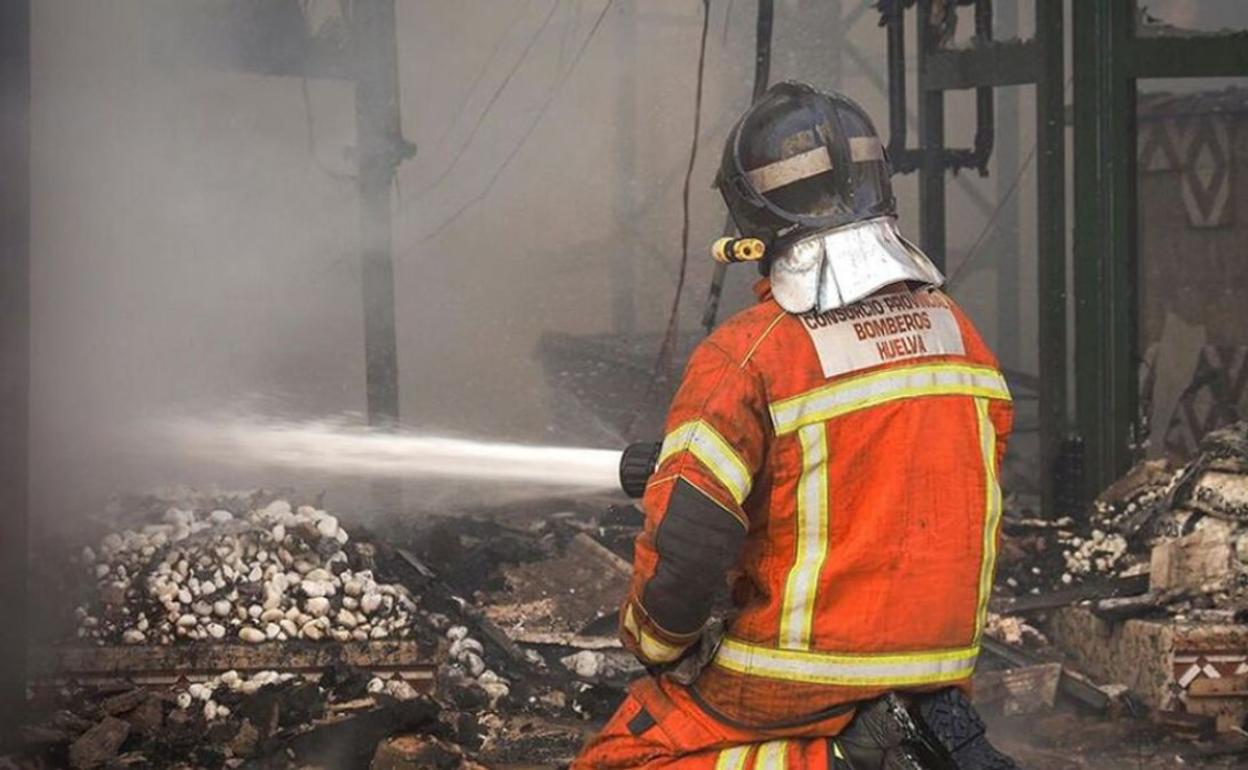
686 669
882 737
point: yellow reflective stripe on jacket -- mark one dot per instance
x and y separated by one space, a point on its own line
652 648
732 759
772 755
887 669
798 609
992 513
710 448
870 390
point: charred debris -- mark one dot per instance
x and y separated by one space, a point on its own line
255 630
259 630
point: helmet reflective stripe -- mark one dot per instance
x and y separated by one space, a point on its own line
864 149
790 170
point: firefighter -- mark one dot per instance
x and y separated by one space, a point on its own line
833 453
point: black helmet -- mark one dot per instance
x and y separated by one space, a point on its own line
800 161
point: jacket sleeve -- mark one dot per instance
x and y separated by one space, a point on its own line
695 524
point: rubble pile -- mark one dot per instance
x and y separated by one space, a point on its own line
1014 631
270 573
468 638
1183 528
1137 606
215 695
270 719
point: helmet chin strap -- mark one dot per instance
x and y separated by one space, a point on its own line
839 267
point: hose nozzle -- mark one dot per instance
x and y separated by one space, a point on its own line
637 465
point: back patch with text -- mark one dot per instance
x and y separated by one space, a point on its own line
884 329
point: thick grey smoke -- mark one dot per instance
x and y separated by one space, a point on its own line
195 233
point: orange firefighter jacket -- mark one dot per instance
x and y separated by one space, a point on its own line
842 469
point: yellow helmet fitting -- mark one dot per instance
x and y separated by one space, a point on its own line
728 250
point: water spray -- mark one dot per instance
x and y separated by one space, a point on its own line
337 448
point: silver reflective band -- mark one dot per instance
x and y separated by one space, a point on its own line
865 148
710 448
992 514
873 389
772 755
732 759
838 267
848 670
801 166
797 613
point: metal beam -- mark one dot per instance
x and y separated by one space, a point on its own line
1005 240
381 148
1011 63
1194 56
931 147
1051 240
14 359
1104 239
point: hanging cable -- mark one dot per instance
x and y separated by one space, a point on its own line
554 92
478 77
498 92
762 74
960 270
666 349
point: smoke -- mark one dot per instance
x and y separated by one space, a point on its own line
195 227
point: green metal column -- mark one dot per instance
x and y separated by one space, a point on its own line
1051 237
931 145
1005 236
1105 235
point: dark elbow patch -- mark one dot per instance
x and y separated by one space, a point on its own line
641 722
697 542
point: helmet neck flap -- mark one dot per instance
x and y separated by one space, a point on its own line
840 266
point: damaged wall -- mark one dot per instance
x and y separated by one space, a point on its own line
1193 323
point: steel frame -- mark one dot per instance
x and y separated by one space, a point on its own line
986 65
1109 57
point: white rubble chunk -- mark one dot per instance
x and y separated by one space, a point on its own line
251 635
